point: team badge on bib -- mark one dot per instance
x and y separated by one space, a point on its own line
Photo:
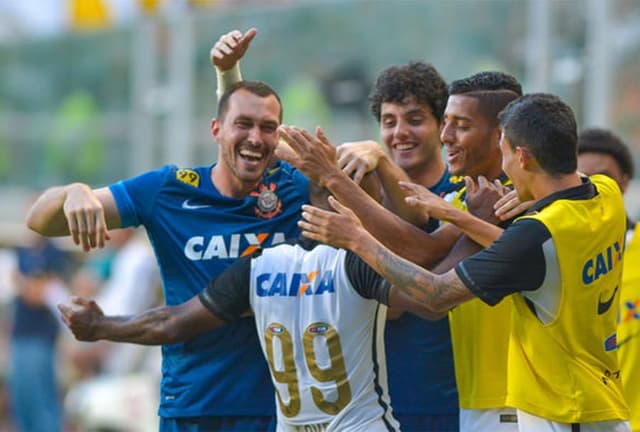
268 203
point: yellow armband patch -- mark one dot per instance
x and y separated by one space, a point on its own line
189 177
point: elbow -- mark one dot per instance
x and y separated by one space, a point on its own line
440 308
167 335
33 223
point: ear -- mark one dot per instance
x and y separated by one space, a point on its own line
495 137
525 159
215 129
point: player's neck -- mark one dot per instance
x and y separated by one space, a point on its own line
229 185
429 175
543 185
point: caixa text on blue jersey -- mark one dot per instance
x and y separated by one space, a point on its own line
233 246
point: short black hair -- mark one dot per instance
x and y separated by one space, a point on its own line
486 81
493 90
258 88
417 79
545 125
597 140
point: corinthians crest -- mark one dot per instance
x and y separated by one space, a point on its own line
268 203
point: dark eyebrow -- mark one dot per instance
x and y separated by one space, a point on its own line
458 117
420 111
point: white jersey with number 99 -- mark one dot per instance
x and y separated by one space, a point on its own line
323 341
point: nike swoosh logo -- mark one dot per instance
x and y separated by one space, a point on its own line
186 205
606 305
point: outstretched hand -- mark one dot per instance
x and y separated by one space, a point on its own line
481 196
510 206
315 156
81 316
339 229
230 48
359 158
428 202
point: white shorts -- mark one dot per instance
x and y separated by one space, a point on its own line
488 420
531 423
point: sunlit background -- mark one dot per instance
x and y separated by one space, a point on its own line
99 90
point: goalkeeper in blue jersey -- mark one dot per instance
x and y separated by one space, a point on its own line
199 221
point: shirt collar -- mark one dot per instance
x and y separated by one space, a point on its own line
586 190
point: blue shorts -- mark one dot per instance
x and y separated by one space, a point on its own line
428 423
218 424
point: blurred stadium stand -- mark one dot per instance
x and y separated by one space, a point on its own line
108 97
99 90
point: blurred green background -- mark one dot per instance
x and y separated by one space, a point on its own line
104 98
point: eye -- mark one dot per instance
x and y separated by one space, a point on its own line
416 121
244 124
388 121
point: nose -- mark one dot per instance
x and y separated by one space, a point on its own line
254 136
401 131
446 134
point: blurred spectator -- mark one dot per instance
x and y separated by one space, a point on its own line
33 386
116 387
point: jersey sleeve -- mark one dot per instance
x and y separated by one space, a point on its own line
365 280
134 197
227 296
514 263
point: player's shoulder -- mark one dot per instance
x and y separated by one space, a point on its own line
186 176
456 184
281 171
455 189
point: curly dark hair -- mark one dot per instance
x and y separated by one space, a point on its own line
417 79
596 140
486 81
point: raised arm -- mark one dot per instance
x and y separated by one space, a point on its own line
160 326
225 57
78 210
316 158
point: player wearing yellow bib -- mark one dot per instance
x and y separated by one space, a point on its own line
629 326
479 333
561 263
600 151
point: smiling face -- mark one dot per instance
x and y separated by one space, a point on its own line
471 140
247 135
410 132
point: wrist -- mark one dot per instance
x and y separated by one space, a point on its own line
362 243
382 159
227 77
333 179
99 329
